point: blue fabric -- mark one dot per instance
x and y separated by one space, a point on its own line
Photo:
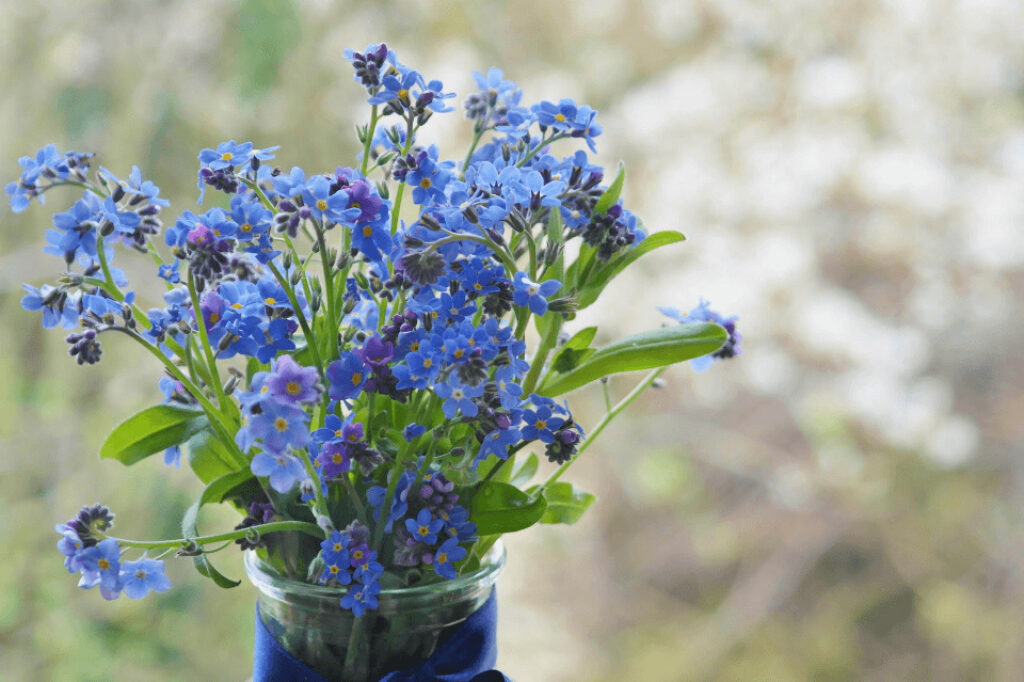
467 655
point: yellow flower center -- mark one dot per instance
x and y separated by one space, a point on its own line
337 546
459 353
423 530
140 574
428 363
293 387
227 156
337 434
442 558
321 205
337 458
403 93
214 317
281 424
270 300
368 231
540 424
236 306
357 379
425 183
560 117
245 227
103 564
334 569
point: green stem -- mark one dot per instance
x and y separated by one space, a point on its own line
310 338
358 503
369 140
204 336
547 342
469 155
272 527
540 145
622 404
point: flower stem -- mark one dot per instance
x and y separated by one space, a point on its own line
262 529
619 407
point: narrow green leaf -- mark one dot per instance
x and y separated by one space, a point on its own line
213 492
655 348
525 471
575 350
566 503
206 568
611 195
600 278
151 431
503 508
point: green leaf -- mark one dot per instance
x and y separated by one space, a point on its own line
611 195
566 503
525 471
599 279
206 568
151 431
215 491
220 487
575 350
655 348
503 508
208 457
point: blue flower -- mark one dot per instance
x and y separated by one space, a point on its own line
169 272
101 565
227 155
347 375
447 554
360 598
283 470
497 443
336 570
424 528
49 165
140 577
703 313
280 426
136 186
58 306
326 206
335 548
458 396
529 293
540 424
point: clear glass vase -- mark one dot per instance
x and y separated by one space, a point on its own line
405 630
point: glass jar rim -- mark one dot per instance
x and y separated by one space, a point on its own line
269 581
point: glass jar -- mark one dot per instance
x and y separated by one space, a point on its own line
406 628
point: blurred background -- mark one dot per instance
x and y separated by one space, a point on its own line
844 501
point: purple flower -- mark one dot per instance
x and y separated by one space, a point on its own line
347 375
292 384
360 598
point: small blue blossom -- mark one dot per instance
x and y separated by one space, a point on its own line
280 426
347 375
458 396
424 527
448 554
361 597
283 470
139 578
703 313
533 294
